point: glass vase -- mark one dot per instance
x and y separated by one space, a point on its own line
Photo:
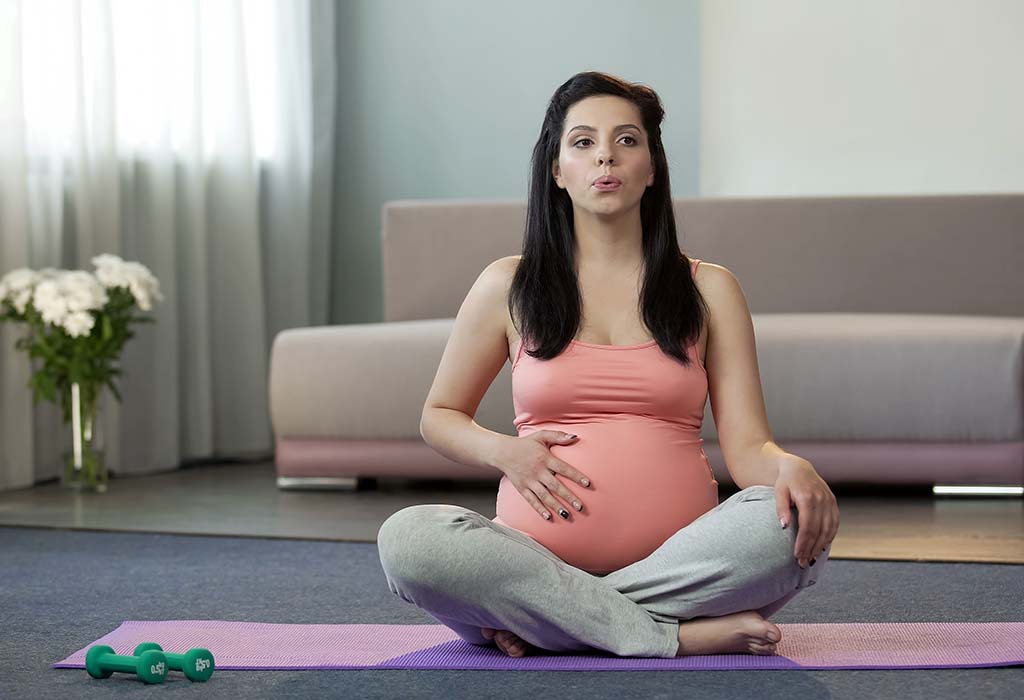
84 467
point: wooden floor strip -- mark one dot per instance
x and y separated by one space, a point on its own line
882 524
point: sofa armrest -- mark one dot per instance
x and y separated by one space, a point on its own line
891 377
366 381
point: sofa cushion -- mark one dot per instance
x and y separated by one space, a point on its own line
826 376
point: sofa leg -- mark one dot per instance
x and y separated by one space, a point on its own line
325 483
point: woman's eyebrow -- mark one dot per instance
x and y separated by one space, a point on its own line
590 128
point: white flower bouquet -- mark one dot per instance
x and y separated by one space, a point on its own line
78 325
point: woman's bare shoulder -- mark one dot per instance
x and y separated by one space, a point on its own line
506 268
711 275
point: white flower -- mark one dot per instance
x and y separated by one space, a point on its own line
111 275
64 294
112 271
49 301
14 284
18 279
83 291
57 294
144 286
21 300
106 259
78 323
19 286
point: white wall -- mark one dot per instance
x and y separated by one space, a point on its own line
446 98
807 97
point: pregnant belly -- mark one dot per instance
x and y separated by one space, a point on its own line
648 480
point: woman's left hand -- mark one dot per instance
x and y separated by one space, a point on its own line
798 485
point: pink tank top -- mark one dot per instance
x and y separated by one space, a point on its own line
638 414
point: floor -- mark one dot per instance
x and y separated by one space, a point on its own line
243 500
61 590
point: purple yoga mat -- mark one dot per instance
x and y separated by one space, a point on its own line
851 645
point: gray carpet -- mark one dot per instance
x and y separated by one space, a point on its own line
60 590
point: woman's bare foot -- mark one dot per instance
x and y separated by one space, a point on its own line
743 632
509 643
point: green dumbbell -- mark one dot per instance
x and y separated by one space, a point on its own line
196 664
150 666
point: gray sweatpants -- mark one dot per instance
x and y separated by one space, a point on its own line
468 572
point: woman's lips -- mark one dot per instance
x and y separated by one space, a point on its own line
607 187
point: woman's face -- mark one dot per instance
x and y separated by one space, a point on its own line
606 148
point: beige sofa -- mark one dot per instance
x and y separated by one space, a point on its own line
890 338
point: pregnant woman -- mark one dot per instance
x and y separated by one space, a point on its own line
609 535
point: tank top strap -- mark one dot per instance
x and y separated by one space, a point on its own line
519 353
694 262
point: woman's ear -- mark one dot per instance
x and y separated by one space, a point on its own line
556 173
650 180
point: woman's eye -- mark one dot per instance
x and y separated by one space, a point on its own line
633 140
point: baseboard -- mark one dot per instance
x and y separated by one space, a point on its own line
318 483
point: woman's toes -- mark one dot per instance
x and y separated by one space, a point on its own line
762 648
769 633
510 643
487 632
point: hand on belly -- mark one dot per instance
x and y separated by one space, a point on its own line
647 481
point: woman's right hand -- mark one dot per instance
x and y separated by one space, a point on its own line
529 465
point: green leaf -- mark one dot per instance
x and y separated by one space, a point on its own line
48 388
113 389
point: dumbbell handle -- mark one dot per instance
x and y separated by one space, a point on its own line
116 662
178 661
196 663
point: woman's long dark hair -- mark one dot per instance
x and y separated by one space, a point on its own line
544 295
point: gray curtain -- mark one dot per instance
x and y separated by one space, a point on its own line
237 232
